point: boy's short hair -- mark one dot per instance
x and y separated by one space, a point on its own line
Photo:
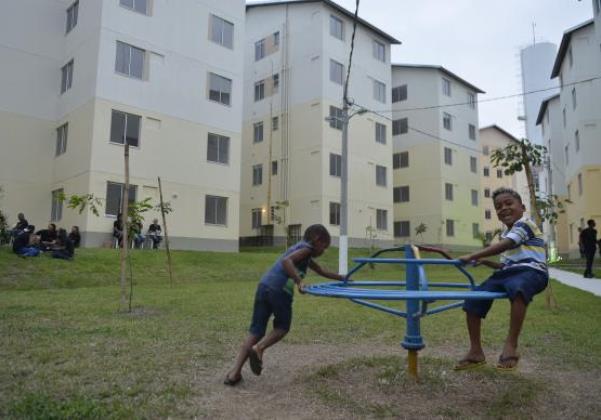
504 190
316 232
590 222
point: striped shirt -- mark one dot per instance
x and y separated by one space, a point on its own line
529 249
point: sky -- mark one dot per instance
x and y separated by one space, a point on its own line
479 40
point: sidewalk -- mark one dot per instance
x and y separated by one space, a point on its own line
576 280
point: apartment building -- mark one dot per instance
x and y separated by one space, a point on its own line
90 76
549 119
436 169
578 65
493 138
296 58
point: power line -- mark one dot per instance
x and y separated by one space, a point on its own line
497 98
350 58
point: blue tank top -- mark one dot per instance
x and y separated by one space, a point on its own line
277 278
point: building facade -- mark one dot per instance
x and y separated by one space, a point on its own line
493 138
91 76
296 60
436 168
577 66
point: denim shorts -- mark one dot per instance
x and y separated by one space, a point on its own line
269 301
524 281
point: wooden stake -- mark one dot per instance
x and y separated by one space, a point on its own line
125 226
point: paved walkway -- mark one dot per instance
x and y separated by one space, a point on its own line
576 280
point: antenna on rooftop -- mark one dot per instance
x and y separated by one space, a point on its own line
533 33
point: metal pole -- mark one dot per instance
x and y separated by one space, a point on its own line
343 241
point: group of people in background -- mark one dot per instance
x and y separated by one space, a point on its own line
154 234
27 242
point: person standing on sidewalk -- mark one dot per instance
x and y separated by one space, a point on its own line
588 238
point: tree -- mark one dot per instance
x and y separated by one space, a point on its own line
420 230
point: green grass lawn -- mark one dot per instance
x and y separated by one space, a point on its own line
67 352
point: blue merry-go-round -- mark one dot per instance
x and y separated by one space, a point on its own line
420 293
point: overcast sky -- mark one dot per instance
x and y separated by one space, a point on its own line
479 40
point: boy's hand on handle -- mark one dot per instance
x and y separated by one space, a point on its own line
468 259
301 287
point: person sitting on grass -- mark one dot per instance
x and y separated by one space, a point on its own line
47 237
521 274
63 248
26 244
274 297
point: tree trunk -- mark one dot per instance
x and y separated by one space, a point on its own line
169 266
125 235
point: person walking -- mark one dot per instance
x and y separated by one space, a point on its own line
588 238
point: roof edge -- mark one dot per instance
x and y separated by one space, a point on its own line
563 46
441 68
496 127
543 108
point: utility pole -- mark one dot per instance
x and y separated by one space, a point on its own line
343 240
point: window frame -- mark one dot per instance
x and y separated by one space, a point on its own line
132 198
450 228
216 200
335 165
72 16
219 141
401 194
214 77
380 132
399 93
131 48
475 198
127 117
448 191
335 68
473 165
379 51
133 8
334 213
381 176
258 132
335 118
256 216
471 128
223 25
67 76
448 156
259 90
399 233
400 160
340 22
62 136
56 208
257 175
379 91
260 49
447 121
400 126
382 219
446 87
471 100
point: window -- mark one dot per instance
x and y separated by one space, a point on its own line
381 175
130 60
574 103
259 90
473 164
448 191
259 49
66 76
487 214
597 6
381 219
446 121
276 82
276 39
220 89
72 13
402 229
486 171
335 165
215 210
114 195
471 100
218 148
222 32
475 230
499 173
257 174
400 160
399 93
485 150
487 192
56 212
567 153
448 156
475 198
400 126
380 133
274 167
336 27
564 117
446 87
125 128
258 132
450 227
379 91
401 194
275 123
140 6
336 72
256 215
579 184
61 139
335 214
379 51
577 140
335 118
570 57
472 131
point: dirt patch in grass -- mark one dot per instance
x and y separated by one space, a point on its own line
361 381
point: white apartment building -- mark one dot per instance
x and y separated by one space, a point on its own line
296 58
436 169
549 119
493 138
87 76
578 65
